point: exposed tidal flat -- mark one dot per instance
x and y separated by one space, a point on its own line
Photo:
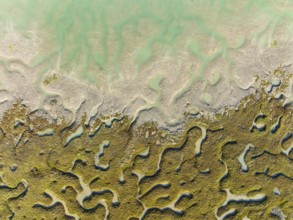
152 59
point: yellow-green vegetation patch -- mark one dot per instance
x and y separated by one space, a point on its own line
50 79
236 165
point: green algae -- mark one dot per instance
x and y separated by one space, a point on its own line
151 173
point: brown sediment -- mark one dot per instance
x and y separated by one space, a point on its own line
151 173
